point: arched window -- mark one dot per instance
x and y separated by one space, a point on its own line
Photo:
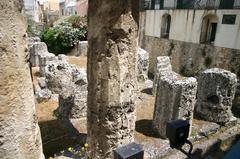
166 24
209 29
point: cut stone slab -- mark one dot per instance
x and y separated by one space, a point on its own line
175 99
143 64
163 64
216 91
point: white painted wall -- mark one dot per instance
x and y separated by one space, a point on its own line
186 26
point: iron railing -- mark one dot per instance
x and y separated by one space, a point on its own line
189 4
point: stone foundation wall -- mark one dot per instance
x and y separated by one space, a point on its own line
190 59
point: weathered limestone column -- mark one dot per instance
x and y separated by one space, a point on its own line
112 74
163 64
19 132
216 90
175 99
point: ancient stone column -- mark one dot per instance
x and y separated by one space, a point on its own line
175 99
163 64
216 90
112 74
19 132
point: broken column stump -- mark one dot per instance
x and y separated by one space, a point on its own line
163 64
112 75
175 99
216 90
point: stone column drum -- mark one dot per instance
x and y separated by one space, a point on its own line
112 74
20 136
175 99
163 64
216 90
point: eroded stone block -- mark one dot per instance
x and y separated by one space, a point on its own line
73 105
216 90
175 99
163 64
62 77
36 49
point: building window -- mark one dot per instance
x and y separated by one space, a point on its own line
229 19
209 29
166 25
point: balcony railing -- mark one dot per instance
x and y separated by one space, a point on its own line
190 4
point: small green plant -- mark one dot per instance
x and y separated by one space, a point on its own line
193 133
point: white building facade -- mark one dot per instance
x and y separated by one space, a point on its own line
204 22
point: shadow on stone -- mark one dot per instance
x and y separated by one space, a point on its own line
147 91
58 135
236 111
145 127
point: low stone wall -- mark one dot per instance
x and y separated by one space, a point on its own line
189 58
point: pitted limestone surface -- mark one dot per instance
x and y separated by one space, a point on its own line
175 99
20 135
112 72
216 90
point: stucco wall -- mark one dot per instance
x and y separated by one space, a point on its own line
186 26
